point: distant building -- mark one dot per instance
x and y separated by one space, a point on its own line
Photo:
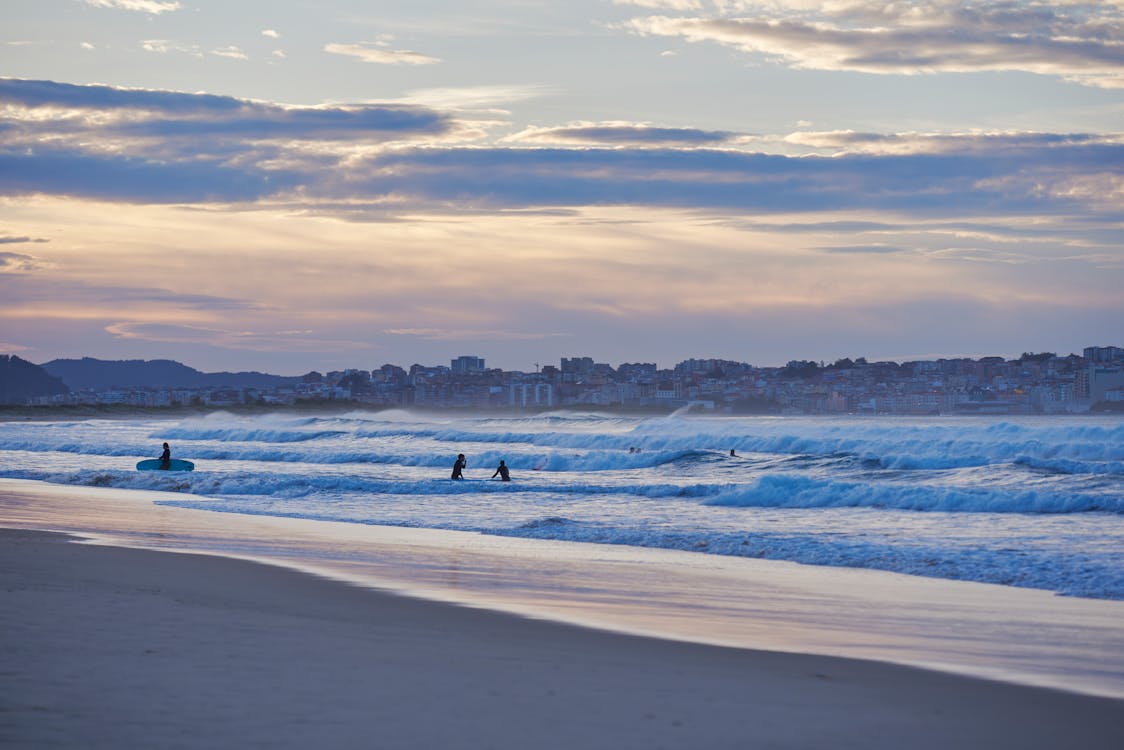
579 368
1103 355
531 394
467 365
1102 380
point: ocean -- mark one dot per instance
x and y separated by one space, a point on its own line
1029 502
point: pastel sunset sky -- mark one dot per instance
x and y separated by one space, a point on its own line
286 186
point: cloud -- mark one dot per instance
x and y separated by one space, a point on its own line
10 240
232 52
621 133
474 97
86 296
271 33
683 5
167 46
373 53
20 263
154 7
860 249
226 338
850 142
462 334
70 172
1021 180
1079 42
360 160
126 143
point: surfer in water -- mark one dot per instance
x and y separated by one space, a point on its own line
505 476
458 467
732 454
166 458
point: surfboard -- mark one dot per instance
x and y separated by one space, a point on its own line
153 464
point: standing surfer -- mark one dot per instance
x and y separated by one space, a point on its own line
505 476
166 458
458 467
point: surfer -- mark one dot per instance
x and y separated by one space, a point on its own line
166 458
505 476
458 467
732 454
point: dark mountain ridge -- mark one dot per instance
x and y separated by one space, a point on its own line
100 374
21 380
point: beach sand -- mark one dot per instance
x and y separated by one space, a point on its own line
106 647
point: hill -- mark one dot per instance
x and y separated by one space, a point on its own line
101 375
21 380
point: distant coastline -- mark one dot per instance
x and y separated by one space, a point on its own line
1042 383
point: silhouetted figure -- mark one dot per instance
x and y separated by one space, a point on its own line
166 458
458 467
503 472
734 455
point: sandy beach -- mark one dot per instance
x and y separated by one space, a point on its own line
114 647
109 647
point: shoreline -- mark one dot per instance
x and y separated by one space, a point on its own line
193 650
1021 636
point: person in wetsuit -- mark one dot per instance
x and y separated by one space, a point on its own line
166 458
505 476
458 467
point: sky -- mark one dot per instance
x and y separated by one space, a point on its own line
286 186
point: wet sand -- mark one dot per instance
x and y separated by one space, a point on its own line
112 647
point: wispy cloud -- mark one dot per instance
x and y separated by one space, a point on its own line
271 33
167 46
860 249
154 7
232 52
373 52
20 263
474 97
122 298
623 134
10 240
683 5
838 142
227 338
1080 42
459 334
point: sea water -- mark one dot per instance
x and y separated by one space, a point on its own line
1032 502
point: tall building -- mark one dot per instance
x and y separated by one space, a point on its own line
468 365
581 367
1103 354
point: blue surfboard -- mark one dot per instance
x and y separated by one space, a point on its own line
153 464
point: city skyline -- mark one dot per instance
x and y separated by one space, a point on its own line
456 362
276 187
1036 383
